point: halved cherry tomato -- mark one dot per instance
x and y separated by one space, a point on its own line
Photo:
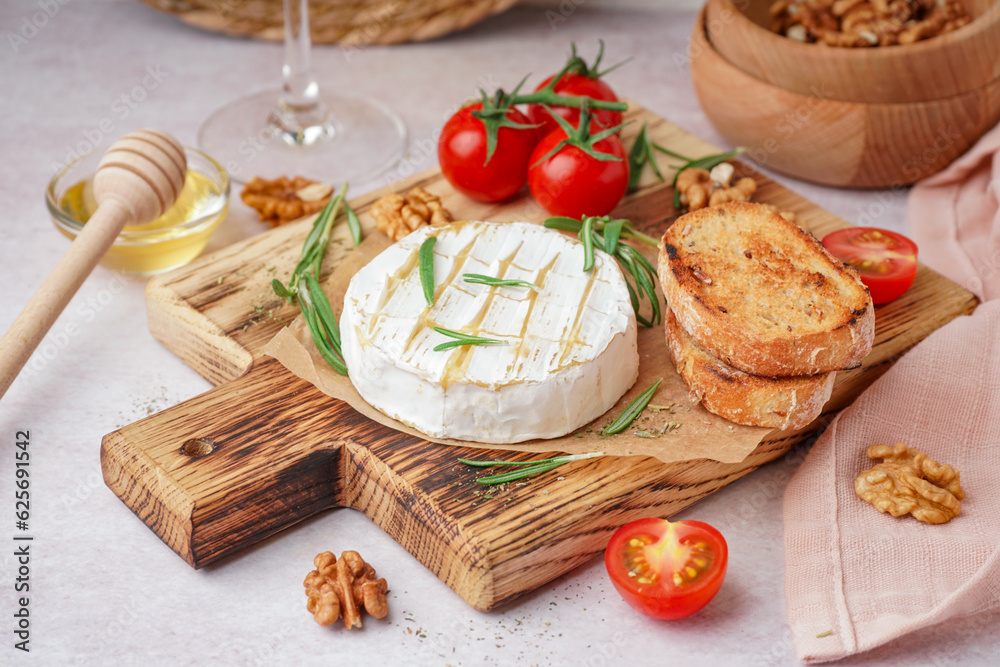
577 85
885 260
573 183
462 151
667 570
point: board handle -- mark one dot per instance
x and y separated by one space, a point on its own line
221 471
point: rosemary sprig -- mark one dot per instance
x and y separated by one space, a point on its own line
322 323
427 269
304 288
463 339
628 231
644 152
641 155
633 410
530 467
480 279
634 263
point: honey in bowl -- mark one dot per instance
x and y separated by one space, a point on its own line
173 239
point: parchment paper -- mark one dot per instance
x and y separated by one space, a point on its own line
701 435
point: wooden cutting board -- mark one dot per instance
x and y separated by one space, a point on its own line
264 449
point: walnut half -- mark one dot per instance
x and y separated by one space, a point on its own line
285 199
396 215
908 482
345 586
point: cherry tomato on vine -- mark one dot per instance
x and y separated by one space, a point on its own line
572 183
577 85
667 570
462 153
885 260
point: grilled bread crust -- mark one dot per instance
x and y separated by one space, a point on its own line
762 294
774 402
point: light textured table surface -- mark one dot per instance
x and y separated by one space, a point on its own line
104 589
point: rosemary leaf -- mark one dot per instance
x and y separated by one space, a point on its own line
353 223
480 279
612 231
586 236
279 288
633 410
487 464
461 339
563 224
427 269
519 474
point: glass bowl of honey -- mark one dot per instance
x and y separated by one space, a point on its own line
172 240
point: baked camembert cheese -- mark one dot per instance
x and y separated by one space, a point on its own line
570 351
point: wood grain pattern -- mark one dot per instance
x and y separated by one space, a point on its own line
863 145
946 66
284 451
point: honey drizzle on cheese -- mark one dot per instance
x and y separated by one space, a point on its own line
574 336
460 357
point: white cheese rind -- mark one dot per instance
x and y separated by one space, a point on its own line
571 351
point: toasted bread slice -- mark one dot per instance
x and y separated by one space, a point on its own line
776 402
762 294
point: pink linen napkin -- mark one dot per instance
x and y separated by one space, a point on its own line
857 578
955 219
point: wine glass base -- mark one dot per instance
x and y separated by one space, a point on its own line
360 140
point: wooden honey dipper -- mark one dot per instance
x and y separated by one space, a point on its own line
137 180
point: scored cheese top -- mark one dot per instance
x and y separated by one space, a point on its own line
570 352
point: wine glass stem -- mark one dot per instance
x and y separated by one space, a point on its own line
301 116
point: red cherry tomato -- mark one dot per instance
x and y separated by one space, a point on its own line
885 260
574 184
576 85
462 155
667 570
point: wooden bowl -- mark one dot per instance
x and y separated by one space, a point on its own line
951 64
832 142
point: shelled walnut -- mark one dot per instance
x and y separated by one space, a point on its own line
396 215
866 23
345 586
700 188
908 482
285 199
